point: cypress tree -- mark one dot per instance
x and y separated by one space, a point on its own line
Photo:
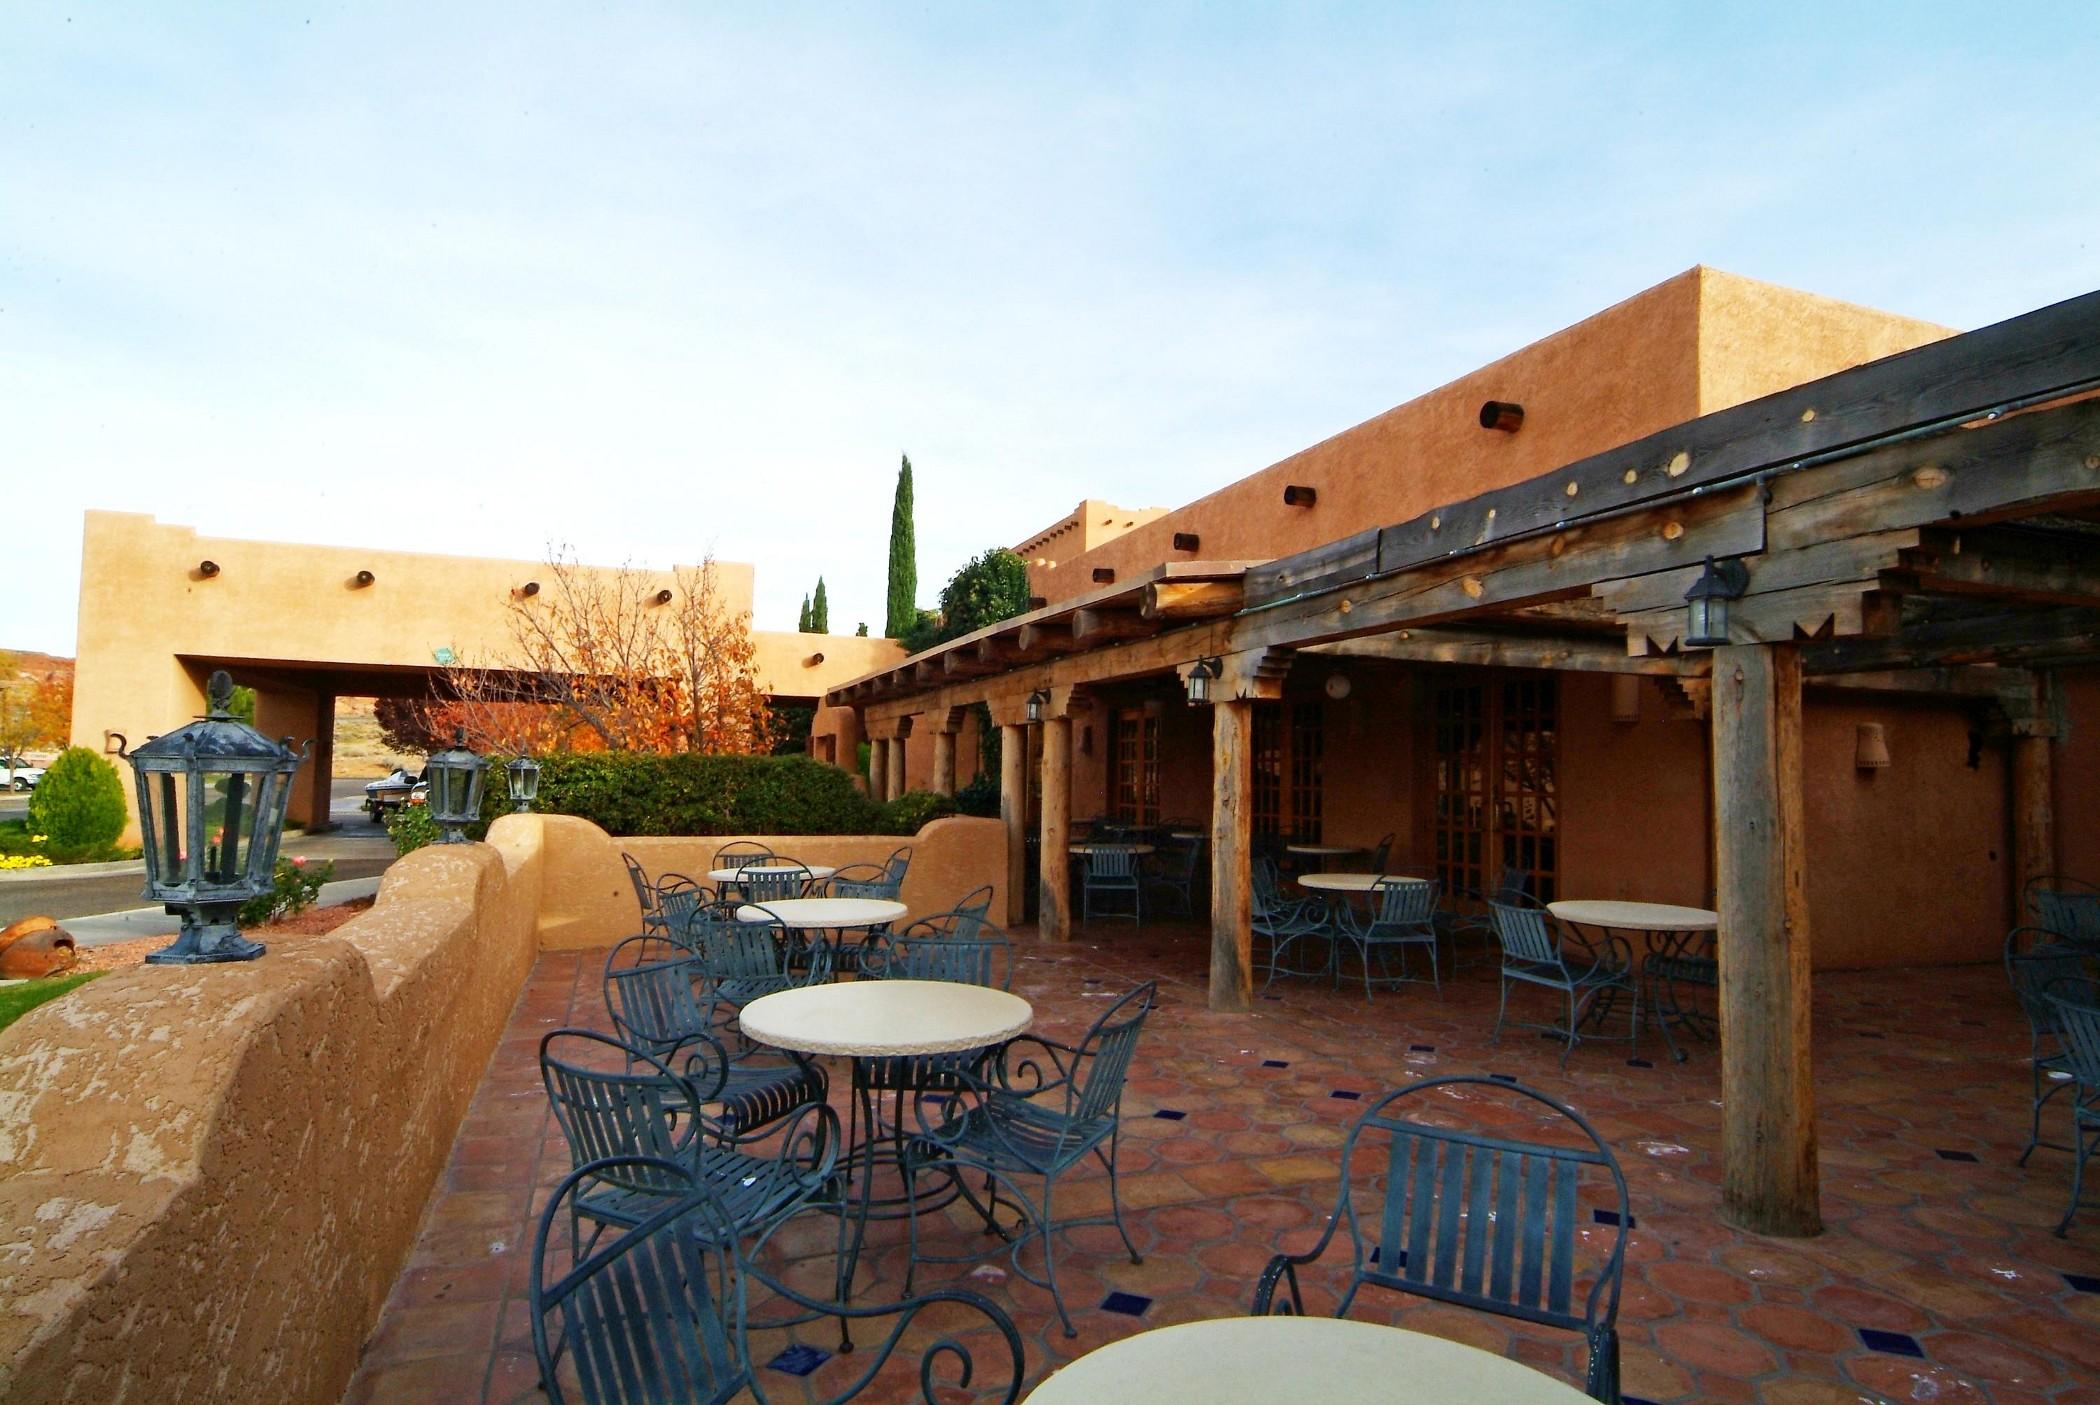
820 610
802 622
904 561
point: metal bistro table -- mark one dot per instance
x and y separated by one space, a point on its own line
771 870
1347 883
1082 850
1262 1360
1679 944
875 1024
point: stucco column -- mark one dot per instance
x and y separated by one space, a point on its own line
878 769
896 785
322 763
944 763
2034 816
1013 812
1054 898
1231 858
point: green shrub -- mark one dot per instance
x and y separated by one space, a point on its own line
411 827
909 812
295 884
980 797
78 806
626 793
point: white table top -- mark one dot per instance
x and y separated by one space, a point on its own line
1263 1360
825 912
763 870
1111 848
1635 917
1355 882
1326 851
1187 834
876 1019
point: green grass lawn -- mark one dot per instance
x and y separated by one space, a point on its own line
18 1000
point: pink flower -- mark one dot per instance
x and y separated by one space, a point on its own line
299 862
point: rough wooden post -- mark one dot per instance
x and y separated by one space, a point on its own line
2034 816
896 786
878 769
1231 815
944 763
1053 911
1768 1124
1013 810
322 766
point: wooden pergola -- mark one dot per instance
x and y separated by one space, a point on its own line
1925 524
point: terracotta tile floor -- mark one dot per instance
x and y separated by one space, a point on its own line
1933 1234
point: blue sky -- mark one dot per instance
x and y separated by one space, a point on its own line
659 280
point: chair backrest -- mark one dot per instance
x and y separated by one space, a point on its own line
783 878
652 1003
2034 960
1105 1053
644 889
1481 1218
1380 853
2069 907
1116 863
650 1315
2076 1002
1513 887
924 951
1181 858
743 851
1525 934
967 917
614 1100
898 864
730 950
1406 905
1264 882
678 901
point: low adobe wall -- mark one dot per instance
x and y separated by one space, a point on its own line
588 900
211 1175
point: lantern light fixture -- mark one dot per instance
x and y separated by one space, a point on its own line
456 778
1201 677
212 796
1706 603
523 773
1038 701
1870 747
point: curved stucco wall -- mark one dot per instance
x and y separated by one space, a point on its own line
210 1176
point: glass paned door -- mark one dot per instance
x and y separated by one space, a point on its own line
1497 804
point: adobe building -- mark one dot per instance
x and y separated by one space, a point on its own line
161 606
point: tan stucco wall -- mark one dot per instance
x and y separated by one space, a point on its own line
211 1176
589 901
1094 522
1699 342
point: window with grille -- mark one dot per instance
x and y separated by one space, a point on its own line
1289 770
1497 806
1134 774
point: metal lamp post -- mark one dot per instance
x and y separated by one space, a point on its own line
212 797
1706 603
524 777
456 778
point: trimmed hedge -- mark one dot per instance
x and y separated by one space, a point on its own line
78 806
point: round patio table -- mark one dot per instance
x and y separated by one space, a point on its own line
1355 882
1678 941
770 870
825 914
1261 1360
1111 848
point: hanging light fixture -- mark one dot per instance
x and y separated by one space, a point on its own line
1205 673
456 778
1037 702
1870 747
524 777
1706 613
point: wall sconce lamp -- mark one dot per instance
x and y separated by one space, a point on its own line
1201 677
207 569
1299 495
1037 701
1706 614
1503 415
1870 748
1187 541
361 580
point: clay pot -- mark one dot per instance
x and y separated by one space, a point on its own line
35 946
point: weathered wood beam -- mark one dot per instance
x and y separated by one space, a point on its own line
1444 644
1231 856
2062 635
1091 627
1973 681
1044 638
1191 600
1775 617
1053 920
2002 563
964 663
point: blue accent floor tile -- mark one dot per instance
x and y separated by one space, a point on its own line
1640 1063
799 1360
1346 1094
1275 1063
1612 1217
1893 1343
2083 1282
1636 1400
1945 1155
1421 1048
1272 997
1170 1114
1129 1304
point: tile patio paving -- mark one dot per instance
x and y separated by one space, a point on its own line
1937 1278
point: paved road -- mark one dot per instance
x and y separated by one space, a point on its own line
359 850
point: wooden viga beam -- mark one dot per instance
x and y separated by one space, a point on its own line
1091 627
1191 600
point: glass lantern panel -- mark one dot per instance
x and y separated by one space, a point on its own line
229 824
1708 618
162 812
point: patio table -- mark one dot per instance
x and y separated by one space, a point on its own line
1675 938
770 870
1262 1360
832 916
1083 849
1355 882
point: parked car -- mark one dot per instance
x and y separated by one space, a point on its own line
391 792
22 773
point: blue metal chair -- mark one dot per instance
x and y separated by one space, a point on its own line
644 893
1479 1219
1176 879
1112 872
679 902
1381 852
928 951
775 880
2076 1001
1536 951
657 1315
655 1008
1292 927
1403 920
2034 959
2067 907
1034 1112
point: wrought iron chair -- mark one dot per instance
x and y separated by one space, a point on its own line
2067 907
928 951
612 1099
1175 881
741 853
2034 959
736 962
1475 1218
1112 872
1405 920
658 1314
644 893
1291 926
1380 853
679 901
2076 1001
1465 915
1036 1110
777 879
1535 951
655 1008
